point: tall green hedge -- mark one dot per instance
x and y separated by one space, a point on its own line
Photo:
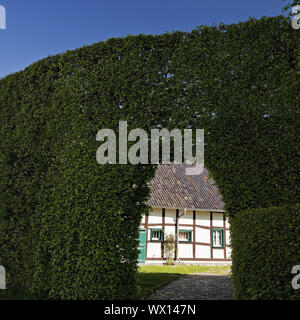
66 221
266 247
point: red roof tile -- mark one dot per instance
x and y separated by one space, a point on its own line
172 188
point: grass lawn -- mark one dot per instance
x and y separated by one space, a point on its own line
151 277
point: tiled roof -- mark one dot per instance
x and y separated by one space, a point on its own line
172 188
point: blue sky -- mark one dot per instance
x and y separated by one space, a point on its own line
38 28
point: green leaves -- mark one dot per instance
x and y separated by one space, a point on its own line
265 248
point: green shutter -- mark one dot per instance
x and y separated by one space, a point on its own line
160 234
223 238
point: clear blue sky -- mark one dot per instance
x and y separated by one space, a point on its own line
38 28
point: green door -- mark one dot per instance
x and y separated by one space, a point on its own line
142 246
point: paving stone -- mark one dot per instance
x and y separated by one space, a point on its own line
196 287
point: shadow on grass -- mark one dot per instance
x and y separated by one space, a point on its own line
147 282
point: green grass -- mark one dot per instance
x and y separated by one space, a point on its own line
151 277
185 269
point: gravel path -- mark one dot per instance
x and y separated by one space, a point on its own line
196 286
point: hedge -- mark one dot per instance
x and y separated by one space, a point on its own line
68 225
266 247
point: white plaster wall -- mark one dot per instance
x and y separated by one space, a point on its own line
143 219
228 253
170 230
187 218
227 235
154 250
170 215
148 234
218 254
185 250
202 235
203 218
155 216
217 219
202 252
185 227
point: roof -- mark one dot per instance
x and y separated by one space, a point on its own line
172 188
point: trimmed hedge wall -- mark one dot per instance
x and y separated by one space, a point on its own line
66 221
266 246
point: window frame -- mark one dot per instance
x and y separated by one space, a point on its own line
160 235
212 238
190 232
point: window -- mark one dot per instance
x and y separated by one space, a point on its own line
218 238
185 235
156 235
